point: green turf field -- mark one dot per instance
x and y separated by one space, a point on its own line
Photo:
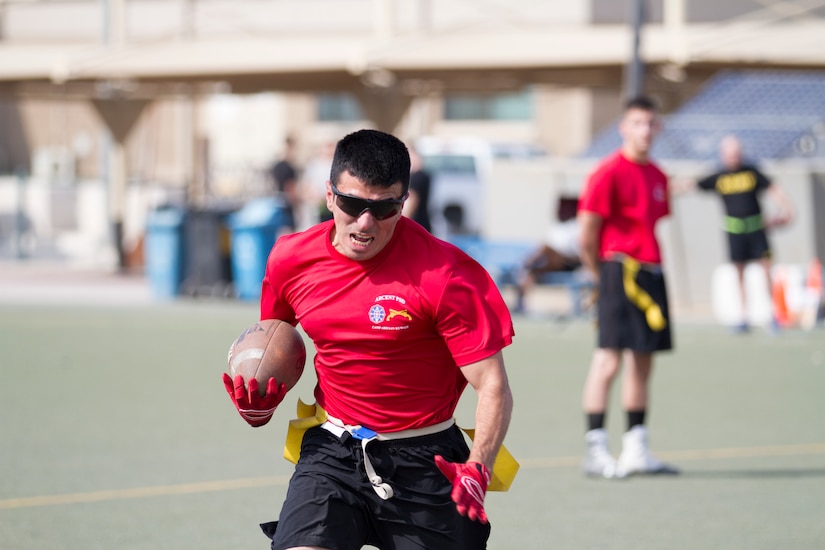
116 433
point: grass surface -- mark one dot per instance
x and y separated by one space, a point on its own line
117 433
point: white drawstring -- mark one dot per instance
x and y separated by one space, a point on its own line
381 488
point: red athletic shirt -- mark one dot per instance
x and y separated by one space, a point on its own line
391 332
630 198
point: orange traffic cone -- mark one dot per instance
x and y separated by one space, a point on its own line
780 306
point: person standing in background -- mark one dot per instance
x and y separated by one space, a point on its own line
315 177
417 205
740 185
622 201
285 179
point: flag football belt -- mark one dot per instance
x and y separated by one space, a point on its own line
310 416
741 226
636 294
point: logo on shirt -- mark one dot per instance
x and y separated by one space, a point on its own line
739 182
399 313
659 193
390 312
377 314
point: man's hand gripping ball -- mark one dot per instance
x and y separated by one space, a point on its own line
255 408
470 482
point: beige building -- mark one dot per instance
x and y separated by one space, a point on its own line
133 102
546 73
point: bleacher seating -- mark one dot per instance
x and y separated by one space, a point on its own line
776 115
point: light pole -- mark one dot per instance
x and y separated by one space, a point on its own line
634 72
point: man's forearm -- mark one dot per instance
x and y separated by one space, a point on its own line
589 242
590 260
495 407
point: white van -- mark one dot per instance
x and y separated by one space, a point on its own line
459 169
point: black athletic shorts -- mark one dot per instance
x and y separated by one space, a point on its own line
330 503
745 247
622 325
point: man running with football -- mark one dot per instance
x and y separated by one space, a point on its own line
402 322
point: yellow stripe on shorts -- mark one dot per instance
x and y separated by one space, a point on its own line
638 297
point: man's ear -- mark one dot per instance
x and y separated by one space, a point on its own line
329 196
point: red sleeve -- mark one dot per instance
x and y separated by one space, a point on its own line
597 192
472 316
273 301
666 203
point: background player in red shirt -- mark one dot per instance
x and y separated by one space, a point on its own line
401 322
624 198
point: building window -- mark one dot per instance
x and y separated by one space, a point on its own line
511 106
338 108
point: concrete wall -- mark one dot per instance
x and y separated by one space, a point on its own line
520 201
150 19
617 11
70 222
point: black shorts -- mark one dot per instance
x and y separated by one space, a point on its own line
331 503
745 247
622 325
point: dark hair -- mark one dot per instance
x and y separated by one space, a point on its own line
376 158
641 102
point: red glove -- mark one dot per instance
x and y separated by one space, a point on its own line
470 482
256 410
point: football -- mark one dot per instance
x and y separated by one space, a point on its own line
268 349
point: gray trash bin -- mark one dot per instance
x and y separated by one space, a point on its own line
208 270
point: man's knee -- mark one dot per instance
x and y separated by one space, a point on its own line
606 363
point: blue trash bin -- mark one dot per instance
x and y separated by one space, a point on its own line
253 231
164 254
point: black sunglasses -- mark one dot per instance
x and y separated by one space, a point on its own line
355 206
